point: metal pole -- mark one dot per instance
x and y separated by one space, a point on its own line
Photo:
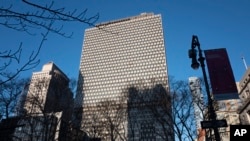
244 61
212 114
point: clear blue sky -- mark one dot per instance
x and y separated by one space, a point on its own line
217 23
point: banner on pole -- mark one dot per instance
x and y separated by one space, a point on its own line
221 74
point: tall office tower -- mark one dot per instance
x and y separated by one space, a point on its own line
48 91
199 107
121 60
49 98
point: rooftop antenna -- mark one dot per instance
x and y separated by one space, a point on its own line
244 61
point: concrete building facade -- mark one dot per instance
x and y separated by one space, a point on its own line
225 109
199 105
244 94
118 56
48 105
48 91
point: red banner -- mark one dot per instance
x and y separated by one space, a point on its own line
221 74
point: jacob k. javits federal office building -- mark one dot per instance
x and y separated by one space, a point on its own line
123 91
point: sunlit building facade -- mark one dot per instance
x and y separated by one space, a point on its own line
49 100
48 91
199 106
228 110
244 94
117 56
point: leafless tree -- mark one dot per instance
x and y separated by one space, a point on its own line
38 127
40 19
35 123
90 122
150 110
171 111
112 118
145 108
9 95
105 120
48 108
183 112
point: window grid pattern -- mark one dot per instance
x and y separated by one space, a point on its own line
111 62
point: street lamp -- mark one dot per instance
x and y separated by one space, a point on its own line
195 65
192 54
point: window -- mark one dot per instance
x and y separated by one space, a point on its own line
147 131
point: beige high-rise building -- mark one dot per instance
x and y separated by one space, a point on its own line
48 106
48 91
121 59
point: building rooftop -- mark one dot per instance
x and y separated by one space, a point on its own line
125 19
51 66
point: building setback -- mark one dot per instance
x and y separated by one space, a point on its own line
121 60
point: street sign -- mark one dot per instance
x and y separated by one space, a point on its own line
213 124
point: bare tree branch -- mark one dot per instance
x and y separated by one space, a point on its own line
42 17
9 95
38 19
